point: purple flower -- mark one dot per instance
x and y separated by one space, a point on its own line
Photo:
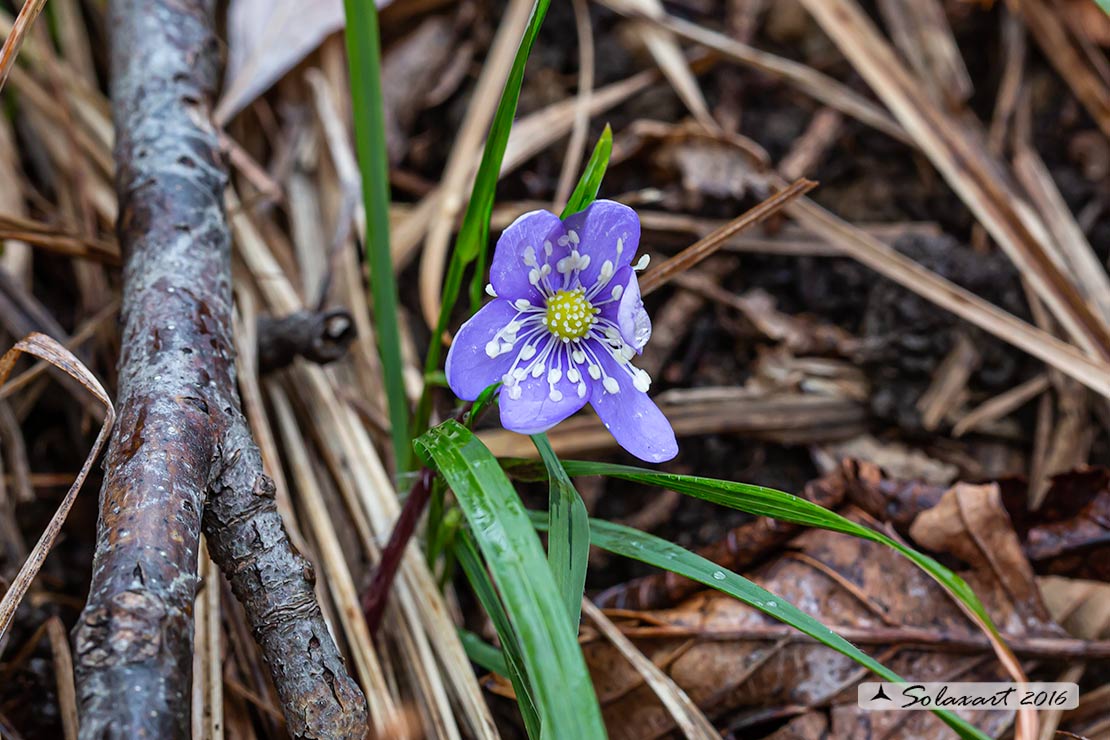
565 322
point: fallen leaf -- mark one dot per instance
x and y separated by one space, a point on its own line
267 38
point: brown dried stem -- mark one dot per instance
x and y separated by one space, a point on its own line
182 454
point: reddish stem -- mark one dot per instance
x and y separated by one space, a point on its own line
373 603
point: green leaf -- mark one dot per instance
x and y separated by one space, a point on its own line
482 653
553 661
647 548
485 398
473 240
784 507
467 553
364 60
568 539
585 192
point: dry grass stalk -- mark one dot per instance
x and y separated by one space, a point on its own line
921 31
45 348
949 384
1067 236
208 680
530 135
27 15
383 709
369 494
1001 405
955 148
583 27
689 718
706 246
465 154
809 81
667 54
63 676
1093 373
1043 21
787 418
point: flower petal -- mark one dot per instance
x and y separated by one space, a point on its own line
469 368
509 271
598 229
632 418
633 320
533 410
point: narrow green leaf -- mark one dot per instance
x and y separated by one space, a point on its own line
482 653
585 192
568 538
647 548
553 661
473 240
364 60
467 553
784 507
485 398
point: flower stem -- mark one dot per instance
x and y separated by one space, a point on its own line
376 597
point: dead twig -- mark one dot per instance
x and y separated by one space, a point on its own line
706 246
182 456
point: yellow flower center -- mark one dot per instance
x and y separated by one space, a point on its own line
569 315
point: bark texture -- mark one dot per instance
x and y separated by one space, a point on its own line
181 454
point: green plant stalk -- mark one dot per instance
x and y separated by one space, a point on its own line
471 563
364 60
553 661
473 240
568 539
585 192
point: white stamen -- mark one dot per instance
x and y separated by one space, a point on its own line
642 263
493 349
534 276
490 291
554 375
515 392
611 385
522 304
555 395
595 371
606 270
618 291
530 256
578 356
547 248
537 370
573 375
573 236
620 245
563 240
581 390
641 380
528 352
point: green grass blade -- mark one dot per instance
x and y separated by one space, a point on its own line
784 507
483 654
585 192
553 661
568 538
471 563
364 60
647 548
473 240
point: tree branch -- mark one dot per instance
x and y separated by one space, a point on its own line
181 451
